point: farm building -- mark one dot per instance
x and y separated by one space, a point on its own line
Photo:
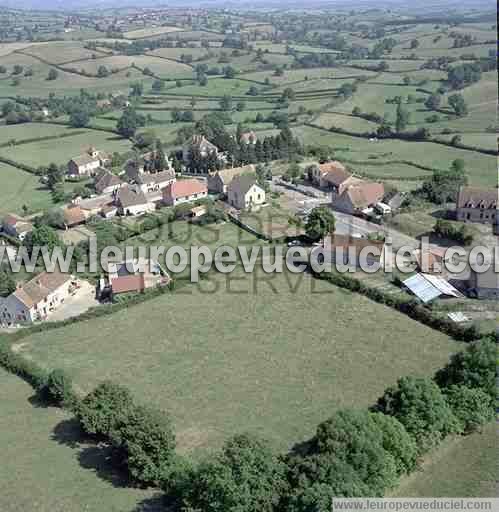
73 215
16 226
484 285
183 191
87 163
477 204
219 181
332 175
357 198
427 287
106 182
244 192
155 181
132 201
37 298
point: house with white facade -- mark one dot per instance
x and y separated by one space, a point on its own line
87 164
244 192
183 191
130 200
36 299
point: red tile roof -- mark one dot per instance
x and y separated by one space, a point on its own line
334 172
184 188
365 194
131 283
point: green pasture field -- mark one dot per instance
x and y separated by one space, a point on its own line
62 150
8 48
167 133
480 50
25 131
66 83
163 68
372 97
150 32
254 361
45 464
481 168
346 121
295 75
176 53
60 52
462 467
215 87
196 35
21 188
481 140
92 65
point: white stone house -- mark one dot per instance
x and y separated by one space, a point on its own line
36 299
244 193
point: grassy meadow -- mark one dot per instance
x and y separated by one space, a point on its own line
462 467
255 358
47 467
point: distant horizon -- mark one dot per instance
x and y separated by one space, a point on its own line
71 5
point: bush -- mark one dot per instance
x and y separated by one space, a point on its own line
355 438
26 369
146 437
247 476
475 368
472 407
315 479
60 387
397 441
105 409
421 407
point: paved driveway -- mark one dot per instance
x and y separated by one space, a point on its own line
75 305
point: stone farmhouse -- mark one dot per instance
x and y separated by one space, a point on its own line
477 204
332 176
218 181
244 192
107 183
357 198
36 299
87 163
183 191
130 200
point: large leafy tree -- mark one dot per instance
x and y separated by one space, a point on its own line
457 103
129 122
474 367
104 409
148 442
43 237
320 223
354 437
418 403
444 185
472 407
317 478
246 476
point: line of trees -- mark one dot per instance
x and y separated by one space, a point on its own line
353 453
